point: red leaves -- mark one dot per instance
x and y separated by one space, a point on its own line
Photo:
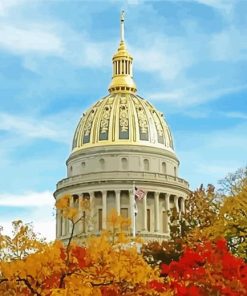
157 286
80 254
208 268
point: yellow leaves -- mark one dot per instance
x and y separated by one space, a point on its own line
117 222
23 242
101 264
72 210
63 202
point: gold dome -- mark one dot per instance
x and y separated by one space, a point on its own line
122 119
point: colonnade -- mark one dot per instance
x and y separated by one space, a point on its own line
152 209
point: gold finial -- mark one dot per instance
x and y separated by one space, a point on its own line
122 25
122 76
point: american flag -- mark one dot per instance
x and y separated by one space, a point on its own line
139 193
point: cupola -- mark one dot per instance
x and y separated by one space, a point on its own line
122 61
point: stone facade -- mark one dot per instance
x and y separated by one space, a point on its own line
106 175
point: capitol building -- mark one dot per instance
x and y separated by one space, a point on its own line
120 143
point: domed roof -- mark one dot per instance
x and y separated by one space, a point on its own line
120 119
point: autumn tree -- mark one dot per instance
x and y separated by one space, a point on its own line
209 215
104 265
233 183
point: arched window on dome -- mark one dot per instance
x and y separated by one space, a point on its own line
83 164
175 171
163 168
124 163
102 163
146 164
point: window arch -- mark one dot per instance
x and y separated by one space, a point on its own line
102 163
124 163
146 164
163 168
175 171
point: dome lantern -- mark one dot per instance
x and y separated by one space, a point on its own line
122 73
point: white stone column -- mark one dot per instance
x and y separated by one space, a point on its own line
63 225
69 223
79 224
104 209
132 216
167 205
145 212
118 205
157 211
182 205
57 223
91 212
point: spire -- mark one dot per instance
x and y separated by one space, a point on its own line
122 25
122 76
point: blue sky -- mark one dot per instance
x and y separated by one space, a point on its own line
190 61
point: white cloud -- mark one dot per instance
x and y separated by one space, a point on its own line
30 127
237 115
33 207
32 38
224 6
229 45
7 5
29 199
207 156
196 93
167 57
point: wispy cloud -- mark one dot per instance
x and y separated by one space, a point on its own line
207 156
237 115
168 57
29 199
196 93
30 39
229 45
6 5
36 128
33 207
224 6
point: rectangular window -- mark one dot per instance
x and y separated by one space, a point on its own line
100 219
83 221
61 224
76 201
148 220
124 213
165 221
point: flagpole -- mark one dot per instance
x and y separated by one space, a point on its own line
133 212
